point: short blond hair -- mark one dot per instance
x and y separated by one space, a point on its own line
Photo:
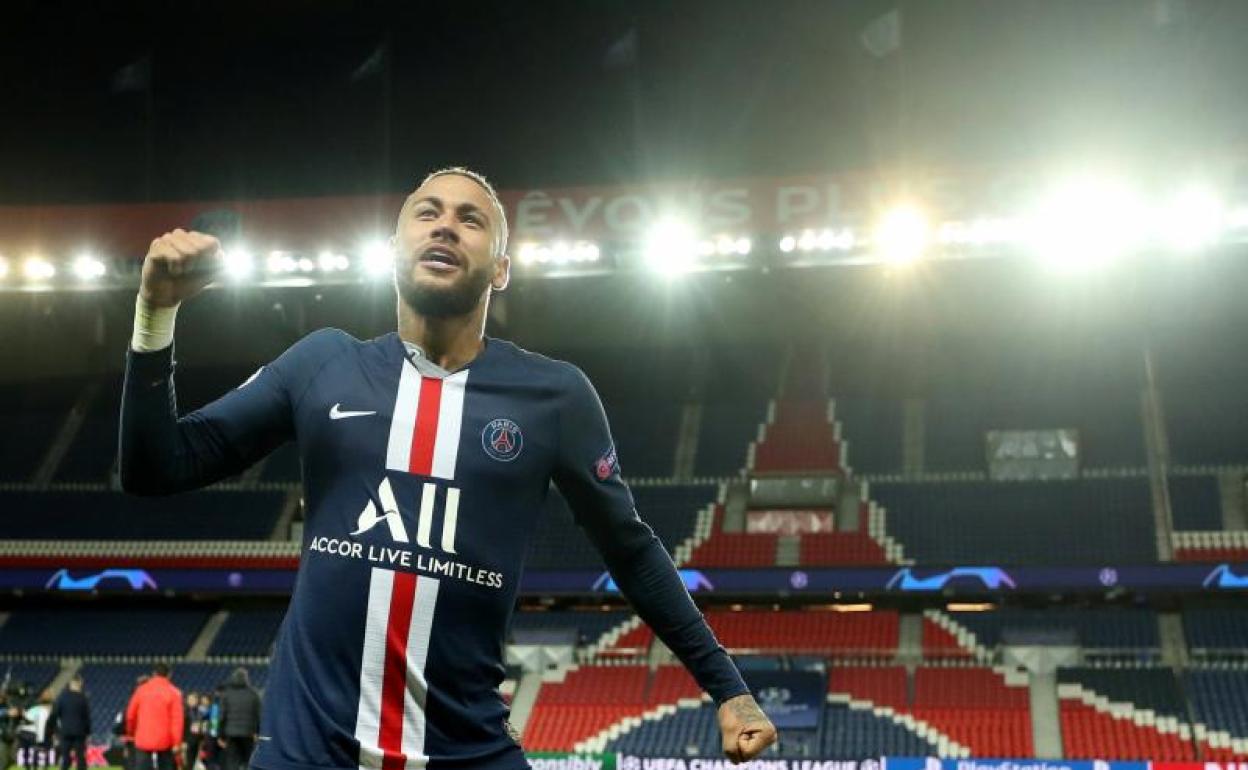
489 190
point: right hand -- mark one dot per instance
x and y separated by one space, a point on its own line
178 266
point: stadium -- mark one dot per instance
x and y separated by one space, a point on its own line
951 453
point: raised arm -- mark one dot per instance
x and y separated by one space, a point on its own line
158 452
588 475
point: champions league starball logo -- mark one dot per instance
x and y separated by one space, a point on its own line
502 440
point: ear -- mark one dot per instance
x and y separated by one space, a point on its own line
502 273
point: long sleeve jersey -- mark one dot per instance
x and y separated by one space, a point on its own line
422 491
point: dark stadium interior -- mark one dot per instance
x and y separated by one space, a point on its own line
915 594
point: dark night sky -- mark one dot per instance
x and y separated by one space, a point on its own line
257 99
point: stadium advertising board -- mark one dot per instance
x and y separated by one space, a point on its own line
946 581
631 762
931 763
790 699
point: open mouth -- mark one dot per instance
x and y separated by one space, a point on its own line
440 258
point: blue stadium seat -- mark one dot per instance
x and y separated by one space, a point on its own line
873 429
1089 521
586 627
1147 688
670 510
33 411
1212 632
1220 698
247 632
1195 502
100 631
1094 628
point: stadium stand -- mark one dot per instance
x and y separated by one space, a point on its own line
798 436
872 429
840 548
1219 699
33 411
1221 545
1195 502
100 631
90 515
1132 713
1206 419
819 632
1216 632
976 707
247 632
1089 521
884 685
584 627
670 510
1107 629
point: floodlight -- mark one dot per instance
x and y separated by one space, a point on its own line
36 268
87 268
902 235
671 247
239 262
1084 222
1193 220
378 258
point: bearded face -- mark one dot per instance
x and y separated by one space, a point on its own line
446 247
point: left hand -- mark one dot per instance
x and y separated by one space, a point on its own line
746 729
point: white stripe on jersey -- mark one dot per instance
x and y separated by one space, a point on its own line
417 686
450 417
399 450
373 668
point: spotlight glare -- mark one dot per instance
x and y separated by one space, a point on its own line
328 261
588 251
4 267
807 240
788 243
744 246
378 258
1193 220
87 268
671 248
37 268
527 253
281 262
902 235
1084 223
239 262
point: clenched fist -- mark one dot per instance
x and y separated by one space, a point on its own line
746 729
178 265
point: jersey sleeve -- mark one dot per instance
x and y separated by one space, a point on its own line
588 475
162 453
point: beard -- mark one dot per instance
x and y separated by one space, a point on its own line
459 298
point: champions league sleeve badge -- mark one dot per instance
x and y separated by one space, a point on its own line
607 465
502 440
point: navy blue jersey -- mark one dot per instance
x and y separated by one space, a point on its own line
421 495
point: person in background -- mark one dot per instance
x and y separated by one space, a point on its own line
240 720
72 716
10 718
33 735
154 717
191 731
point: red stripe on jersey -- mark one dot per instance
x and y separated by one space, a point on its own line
425 433
394 678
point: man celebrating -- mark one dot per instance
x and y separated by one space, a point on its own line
426 456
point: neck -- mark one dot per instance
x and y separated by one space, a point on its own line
449 342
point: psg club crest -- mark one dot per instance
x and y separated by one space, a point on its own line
607 465
502 440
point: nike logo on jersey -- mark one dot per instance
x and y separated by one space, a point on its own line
336 413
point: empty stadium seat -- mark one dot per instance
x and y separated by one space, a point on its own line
1089 521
